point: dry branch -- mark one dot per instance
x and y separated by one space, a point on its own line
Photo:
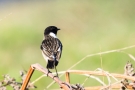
38 67
27 79
117 86
67 86
67 77
99 73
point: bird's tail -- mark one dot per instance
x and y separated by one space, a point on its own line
51 64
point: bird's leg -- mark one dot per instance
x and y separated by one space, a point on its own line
56 73
48 71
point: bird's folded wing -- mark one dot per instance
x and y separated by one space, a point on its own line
52 48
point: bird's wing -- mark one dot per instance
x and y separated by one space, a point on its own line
52 48
58 49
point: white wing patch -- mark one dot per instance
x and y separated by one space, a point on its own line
52 56
59 48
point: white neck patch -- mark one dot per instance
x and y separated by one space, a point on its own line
53 35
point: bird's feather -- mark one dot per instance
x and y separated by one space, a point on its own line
52 48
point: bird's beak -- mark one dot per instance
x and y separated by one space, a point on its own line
58 28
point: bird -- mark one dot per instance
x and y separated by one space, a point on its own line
51 48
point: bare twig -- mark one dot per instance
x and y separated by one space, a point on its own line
44 75
27 79
96 78
99 73
38 67
116 86
101 53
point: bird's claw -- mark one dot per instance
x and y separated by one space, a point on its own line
48 72
55 76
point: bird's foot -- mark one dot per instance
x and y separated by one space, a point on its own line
55 76
48 72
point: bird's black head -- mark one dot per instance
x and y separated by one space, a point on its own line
52 29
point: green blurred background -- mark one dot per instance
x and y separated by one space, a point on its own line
87 27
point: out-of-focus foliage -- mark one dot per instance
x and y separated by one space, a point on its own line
12 83
87 27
